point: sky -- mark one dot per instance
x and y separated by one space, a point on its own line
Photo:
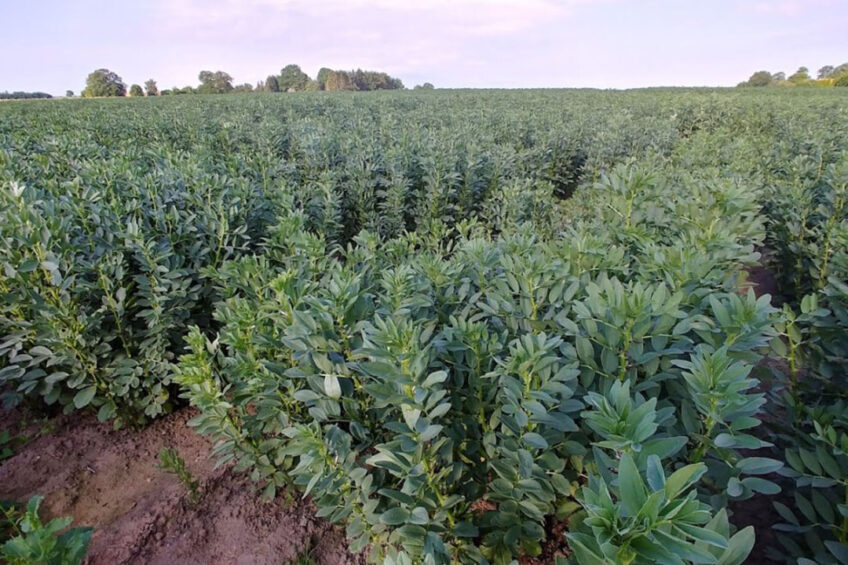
52 45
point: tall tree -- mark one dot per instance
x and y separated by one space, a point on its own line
338 80
801 76
135 91
759 78
104 82
151 88
69 94
272 84
292 78
218 82
321 78
825 71
839 71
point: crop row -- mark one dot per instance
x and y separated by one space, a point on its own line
455 319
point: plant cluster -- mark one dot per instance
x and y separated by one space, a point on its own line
171 461
27 540
442 403
454 318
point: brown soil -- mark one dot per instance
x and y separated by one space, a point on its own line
108 480
763 281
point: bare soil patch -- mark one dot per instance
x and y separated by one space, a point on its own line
108 480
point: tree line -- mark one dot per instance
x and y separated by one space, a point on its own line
20 95
291 78
828 75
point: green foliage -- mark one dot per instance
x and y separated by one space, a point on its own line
103 82
217 82
452 317
401 390
19 95
653 520
760 78
136 91
272 84
819 467
171 461
150 87
31 541
292 79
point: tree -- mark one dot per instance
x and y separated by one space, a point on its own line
425 86
243 88
293 79
272 84
839 71
841 81
825 71
135 91
321 78
151 88
218 82
801 76
760 78
69 94
20 95
104 82
778 77
338 80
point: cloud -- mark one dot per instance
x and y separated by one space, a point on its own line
263 18
414 38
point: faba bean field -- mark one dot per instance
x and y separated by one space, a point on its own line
463 323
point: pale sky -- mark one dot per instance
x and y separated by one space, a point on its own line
51 45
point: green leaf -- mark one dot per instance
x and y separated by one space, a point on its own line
410 415
305 395
432 431
703 534
419 516
786 513
394 516
810 461
535 440
839 550
84 396
584 349
40 351
763 486
655 473
435 378
332 388
631 488
465 530
738 548
584 555
681 479
735 487
682 548
758 465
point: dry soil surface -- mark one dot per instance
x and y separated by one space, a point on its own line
108 480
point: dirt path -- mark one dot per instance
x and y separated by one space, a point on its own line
108 480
